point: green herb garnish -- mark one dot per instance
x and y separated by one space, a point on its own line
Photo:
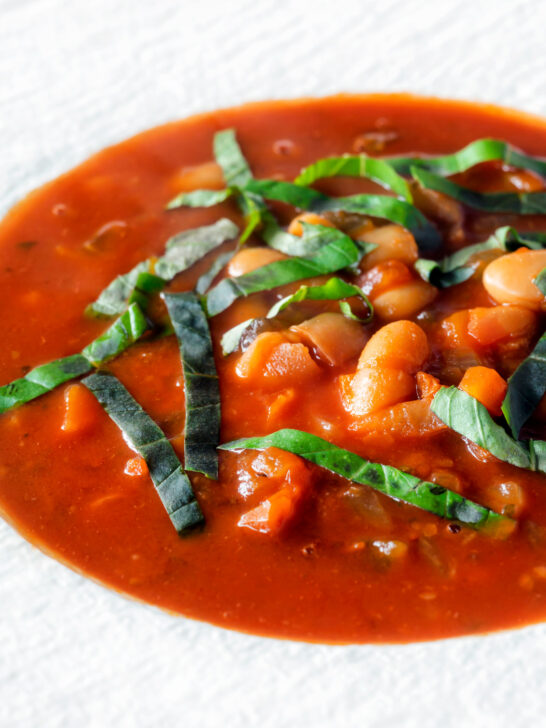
125 331
250 193
333 290
181 252
389 208
42 379
540 281
237 174
470 418
229 156
338 252
144 436
378 170
201 388
200 198
204 281
384 478
526 387
481 150
453 269
519 203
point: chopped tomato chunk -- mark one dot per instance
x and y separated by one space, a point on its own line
272 514
491 325
272 360
82 411
291 476
485 385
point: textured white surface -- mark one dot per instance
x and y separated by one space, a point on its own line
78 75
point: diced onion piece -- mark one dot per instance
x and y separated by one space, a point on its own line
506 497
407 419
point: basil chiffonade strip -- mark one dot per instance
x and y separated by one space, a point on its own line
453 269
338 252
465 415
149 276
334 289
145 437
201 387
125 331
384 478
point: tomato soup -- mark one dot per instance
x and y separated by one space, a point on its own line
415 372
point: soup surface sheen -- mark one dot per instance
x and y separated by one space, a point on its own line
351 565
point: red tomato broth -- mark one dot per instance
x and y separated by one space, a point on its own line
320 579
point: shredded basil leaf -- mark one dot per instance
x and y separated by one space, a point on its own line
378 170
338 252
440 275
186 248
125 331
113 299
382 206
201 198
383 478
520 203
201 388
540 281
230 158
204 281
332 290
144 436
526 387
149 276
42 379
470 418
453 269
481 150
537 450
